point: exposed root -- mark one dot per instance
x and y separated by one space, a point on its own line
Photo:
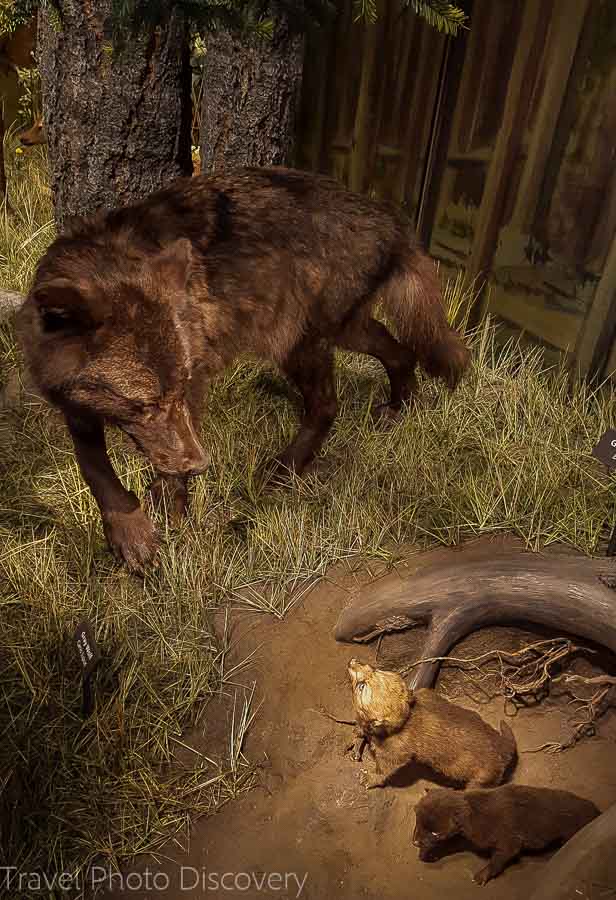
525 676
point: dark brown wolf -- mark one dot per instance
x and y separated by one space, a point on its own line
504 820
133 311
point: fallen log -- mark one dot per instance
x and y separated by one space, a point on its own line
475 586
589 858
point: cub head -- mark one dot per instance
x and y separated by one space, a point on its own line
439 816
381 699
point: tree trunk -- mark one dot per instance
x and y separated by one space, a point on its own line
117 119
250 98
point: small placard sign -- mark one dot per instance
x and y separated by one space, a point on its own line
605 450
88 652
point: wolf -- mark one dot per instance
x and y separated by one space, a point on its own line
133 311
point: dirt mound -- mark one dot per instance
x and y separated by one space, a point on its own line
311 829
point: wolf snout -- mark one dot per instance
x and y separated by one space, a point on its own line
192 463
197 465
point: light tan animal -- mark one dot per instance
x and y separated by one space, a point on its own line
401 726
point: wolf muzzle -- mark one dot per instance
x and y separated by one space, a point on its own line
170 442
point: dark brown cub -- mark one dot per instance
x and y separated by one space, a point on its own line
504 821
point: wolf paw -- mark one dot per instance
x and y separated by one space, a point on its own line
277 472
132 538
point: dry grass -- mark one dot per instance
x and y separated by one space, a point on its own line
510 451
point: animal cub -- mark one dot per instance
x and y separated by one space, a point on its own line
401 726
504 820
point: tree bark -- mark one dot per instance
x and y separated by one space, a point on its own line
117 119
250 98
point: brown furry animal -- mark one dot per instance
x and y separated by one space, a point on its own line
34 135
134 311
504 820
401 726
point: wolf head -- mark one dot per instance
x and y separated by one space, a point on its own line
110 331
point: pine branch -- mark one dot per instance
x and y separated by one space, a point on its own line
440 14
132 16
14 13
365 10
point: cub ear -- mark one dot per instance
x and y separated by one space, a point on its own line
63 308
174 264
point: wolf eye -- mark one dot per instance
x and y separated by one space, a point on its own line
360 686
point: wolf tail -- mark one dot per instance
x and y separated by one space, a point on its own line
508 738
412 299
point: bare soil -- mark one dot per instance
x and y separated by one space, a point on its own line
310 828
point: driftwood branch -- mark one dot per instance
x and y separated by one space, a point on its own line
10 301
585 861
476 586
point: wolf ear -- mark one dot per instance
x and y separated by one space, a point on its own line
173 266
63 308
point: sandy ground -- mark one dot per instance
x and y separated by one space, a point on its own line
311 829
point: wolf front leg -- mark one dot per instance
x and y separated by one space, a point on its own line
130 534
169 493
311 368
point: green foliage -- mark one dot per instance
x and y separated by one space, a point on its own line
30 98
248 16
366 11
439 14
14 13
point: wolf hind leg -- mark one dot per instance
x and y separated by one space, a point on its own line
363 334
